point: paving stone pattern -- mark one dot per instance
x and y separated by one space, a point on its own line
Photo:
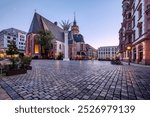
79 80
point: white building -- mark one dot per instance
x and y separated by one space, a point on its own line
107 52
7 35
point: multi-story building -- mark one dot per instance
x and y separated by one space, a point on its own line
107 52
91 52
134 35
10 34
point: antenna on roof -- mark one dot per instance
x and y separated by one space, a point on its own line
35 10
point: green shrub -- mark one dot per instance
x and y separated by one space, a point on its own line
60 56
26 60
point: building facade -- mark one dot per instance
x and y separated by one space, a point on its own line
77 48
7 35
33 47
91 52
107 52
134 35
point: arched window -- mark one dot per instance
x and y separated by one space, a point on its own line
36 45
60 46
51 46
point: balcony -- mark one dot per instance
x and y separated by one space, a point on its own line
128 31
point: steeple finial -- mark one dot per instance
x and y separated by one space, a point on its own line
74 22
35 10
74 16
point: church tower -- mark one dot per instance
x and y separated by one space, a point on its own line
75 27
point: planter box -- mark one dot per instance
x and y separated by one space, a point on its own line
29 68
116 62
16 72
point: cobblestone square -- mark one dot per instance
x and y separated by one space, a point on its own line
78 80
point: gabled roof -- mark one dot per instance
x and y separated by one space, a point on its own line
13 31
41 23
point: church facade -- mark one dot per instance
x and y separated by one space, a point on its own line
76 44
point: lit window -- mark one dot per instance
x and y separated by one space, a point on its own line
36 48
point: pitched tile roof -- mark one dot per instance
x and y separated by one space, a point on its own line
41 23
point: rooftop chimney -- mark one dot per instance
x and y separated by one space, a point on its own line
55 23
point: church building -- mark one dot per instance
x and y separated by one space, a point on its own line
77 47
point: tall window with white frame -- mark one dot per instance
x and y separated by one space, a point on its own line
133 22
140 11
140 30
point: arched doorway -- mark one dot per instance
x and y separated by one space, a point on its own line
140 53
134 54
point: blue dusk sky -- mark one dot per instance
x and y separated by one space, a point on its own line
99 20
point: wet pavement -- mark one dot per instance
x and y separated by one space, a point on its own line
78 80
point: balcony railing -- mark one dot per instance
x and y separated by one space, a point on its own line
128 31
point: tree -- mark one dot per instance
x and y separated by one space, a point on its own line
13 50
60 56
45 38
66 25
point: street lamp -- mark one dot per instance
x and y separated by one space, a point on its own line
129 50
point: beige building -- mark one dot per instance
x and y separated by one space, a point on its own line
107 52
91 52
134 35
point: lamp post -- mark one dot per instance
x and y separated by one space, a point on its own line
129 50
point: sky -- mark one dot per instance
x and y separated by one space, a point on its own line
99 21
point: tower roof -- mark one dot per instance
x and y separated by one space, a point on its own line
78 38
41 23
74 22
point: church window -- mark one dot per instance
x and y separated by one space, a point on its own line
60 46
36 48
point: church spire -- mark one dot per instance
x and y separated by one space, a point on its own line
74 27
74 22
